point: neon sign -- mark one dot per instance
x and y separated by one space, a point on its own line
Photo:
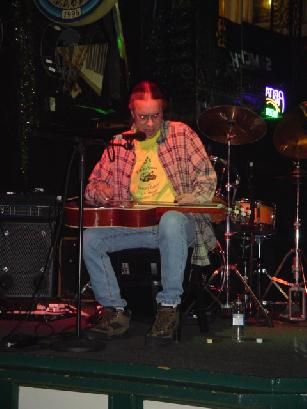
275 102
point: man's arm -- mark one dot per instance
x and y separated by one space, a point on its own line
99 187
204 175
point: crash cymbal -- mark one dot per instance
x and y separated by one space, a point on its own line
290 136
234 123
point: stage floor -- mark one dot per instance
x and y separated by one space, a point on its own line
282 352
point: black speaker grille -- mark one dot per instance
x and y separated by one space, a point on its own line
24 253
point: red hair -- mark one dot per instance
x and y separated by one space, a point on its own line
145 90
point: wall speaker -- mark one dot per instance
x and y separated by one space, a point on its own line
26 259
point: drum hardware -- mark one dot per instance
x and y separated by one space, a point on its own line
254 230
276 281
260 270
232 125
202 279
254 220
220 167
245 247
253 274
263 223
209 284
215 283
290 139
284 282
297 290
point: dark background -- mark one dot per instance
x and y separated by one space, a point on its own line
181 46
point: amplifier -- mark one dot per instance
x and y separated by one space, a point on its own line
27 228
27 206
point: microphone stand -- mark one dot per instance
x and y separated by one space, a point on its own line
80 249
79 342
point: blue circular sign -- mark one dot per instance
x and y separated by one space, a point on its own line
74 12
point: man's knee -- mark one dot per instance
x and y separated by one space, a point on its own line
172 217
172 222
89 239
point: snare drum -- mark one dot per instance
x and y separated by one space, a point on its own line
264 216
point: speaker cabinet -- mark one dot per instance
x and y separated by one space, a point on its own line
26 262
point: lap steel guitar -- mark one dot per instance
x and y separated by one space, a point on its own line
131 214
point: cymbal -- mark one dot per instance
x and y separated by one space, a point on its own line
234 123
290 136
297 175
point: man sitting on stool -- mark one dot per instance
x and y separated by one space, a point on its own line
170 165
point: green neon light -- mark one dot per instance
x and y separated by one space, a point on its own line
272 113
98 110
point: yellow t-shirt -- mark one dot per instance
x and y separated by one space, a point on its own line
149 181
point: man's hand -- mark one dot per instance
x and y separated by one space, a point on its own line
186 198
101 194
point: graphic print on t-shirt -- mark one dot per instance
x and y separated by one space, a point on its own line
149 181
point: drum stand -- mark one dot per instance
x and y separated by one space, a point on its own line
260 269
232 125
231 267
297 291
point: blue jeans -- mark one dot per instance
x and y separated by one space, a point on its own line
173 236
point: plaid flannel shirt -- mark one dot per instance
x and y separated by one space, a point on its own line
187 165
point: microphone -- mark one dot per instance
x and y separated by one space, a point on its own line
131 134
128 136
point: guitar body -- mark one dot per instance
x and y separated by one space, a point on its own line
110 217
129 215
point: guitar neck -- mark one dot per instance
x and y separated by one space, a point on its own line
207 207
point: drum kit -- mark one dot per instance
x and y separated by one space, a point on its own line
254 220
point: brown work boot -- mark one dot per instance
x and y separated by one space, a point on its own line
112 322
166 327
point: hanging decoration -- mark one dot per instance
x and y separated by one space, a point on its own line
26 84
74 12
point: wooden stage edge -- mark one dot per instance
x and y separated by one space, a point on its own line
130 383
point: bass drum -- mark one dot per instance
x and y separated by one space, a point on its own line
220 167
